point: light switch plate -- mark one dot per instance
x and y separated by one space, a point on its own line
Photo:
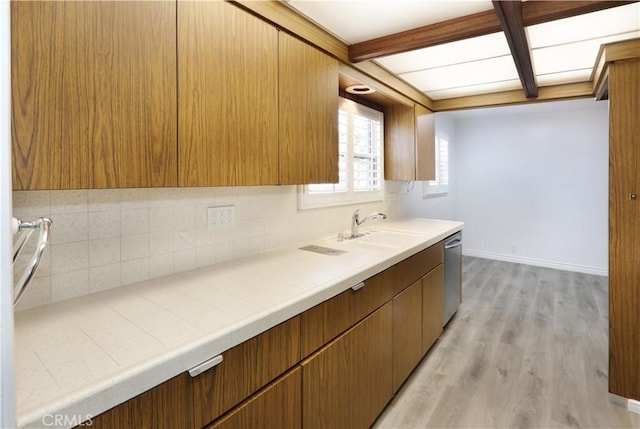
221 217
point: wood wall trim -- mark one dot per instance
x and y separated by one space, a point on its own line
510 16
285 18
611 52
545 93
533 12
392 94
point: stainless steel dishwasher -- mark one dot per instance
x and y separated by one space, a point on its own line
452 275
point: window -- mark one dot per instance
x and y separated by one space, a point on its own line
440 186
359 161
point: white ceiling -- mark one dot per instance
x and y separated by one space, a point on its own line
355 21
562 51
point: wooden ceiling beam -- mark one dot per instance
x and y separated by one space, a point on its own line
541 11
510 15
452 30
474 25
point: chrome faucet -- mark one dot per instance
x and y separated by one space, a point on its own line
356 222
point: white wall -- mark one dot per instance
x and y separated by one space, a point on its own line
530 182
533 184
7 394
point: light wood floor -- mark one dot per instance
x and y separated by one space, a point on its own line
528 348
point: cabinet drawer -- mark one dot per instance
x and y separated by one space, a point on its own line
279 405
327 320
416 266
245 369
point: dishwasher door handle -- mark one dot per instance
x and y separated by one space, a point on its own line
452 244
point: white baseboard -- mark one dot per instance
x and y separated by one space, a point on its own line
536 262
630 404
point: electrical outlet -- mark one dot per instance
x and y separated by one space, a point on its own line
221 217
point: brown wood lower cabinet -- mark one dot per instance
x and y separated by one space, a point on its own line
347 383
167 406
276 406
432 306
361 345
407 332
245 369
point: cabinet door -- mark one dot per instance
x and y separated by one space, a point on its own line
432 306
245 369
93 94
278 405
308 130
165 406
228 99
348 382
624 229
399 143
327 320
425 144
407 332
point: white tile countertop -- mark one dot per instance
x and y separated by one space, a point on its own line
81 357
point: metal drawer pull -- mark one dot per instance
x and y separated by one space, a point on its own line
204 366
357 287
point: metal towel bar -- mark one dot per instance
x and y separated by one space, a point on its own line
24 231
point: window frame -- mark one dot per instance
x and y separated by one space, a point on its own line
349 196
435 188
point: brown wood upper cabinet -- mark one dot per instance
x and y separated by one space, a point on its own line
93 94
228 96
409 143
100 101
256 105
308 123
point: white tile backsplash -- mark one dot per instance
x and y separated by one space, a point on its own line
134 221
134 246
102 239
105 277
103 224
69 257
69 285
68 202
71 227
103 251
135 271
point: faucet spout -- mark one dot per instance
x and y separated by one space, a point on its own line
356 222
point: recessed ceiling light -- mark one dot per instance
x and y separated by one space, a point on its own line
359 89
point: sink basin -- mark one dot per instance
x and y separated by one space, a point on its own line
386 239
